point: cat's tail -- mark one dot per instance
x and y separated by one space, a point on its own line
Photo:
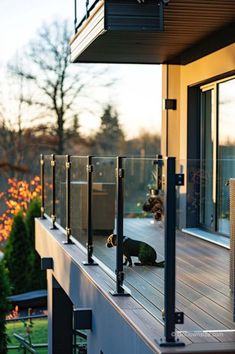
155 264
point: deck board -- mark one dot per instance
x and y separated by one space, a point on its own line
202 286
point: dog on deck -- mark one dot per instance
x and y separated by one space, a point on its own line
133 248
154 205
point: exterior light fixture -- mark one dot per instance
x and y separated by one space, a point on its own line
169 103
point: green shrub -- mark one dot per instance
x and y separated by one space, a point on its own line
4 306
34 211
37 276
17 257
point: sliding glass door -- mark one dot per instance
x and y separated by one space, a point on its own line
217 157
226 150
207 207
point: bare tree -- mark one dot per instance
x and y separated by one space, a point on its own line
54 86
11 163
12 145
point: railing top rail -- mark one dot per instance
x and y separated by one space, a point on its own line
24 318
47 156
25 344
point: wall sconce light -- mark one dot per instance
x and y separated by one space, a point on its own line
169 103
82 319
46 263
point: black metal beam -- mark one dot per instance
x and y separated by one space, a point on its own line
170 256
53 214
120 207
42 175
67 201
89 244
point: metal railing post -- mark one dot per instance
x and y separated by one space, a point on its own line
171 317
89 244
75 16
159 172
53 213
42 173
67 200
120 206
87 9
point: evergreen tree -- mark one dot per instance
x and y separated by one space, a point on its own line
4 307
18 256
38 277
110 137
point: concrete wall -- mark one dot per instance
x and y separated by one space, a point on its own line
119 324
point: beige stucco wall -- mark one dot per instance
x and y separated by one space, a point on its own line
175 82
179 78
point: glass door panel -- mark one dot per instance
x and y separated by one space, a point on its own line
226 151
207 218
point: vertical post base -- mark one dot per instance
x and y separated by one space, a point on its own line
115 293
86 263
164 343
53 227
68 242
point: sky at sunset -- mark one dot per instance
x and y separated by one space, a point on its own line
137 93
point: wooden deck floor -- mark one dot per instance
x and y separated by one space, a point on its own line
202 282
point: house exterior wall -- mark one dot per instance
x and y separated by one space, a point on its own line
176 80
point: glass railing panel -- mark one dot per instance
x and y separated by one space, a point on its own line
83 8
78 202
104 196
60 190
202 214
48 185
226 171
144 229
203 257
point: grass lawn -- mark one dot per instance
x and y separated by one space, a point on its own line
38 336
39 333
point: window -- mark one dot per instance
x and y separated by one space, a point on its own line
217 154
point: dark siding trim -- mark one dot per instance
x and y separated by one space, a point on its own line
208 45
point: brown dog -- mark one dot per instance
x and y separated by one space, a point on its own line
154 205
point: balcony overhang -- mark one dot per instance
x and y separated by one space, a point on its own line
192 29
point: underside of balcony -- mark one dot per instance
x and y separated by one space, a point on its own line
183 32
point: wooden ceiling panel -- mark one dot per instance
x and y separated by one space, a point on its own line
192 29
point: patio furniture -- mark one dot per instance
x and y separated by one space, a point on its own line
103 207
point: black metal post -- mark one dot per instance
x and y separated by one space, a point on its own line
170 258
42 173
87 9
75 16
89 244
120 206
53 213
67 200
159 172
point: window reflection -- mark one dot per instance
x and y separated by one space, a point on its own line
226 150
